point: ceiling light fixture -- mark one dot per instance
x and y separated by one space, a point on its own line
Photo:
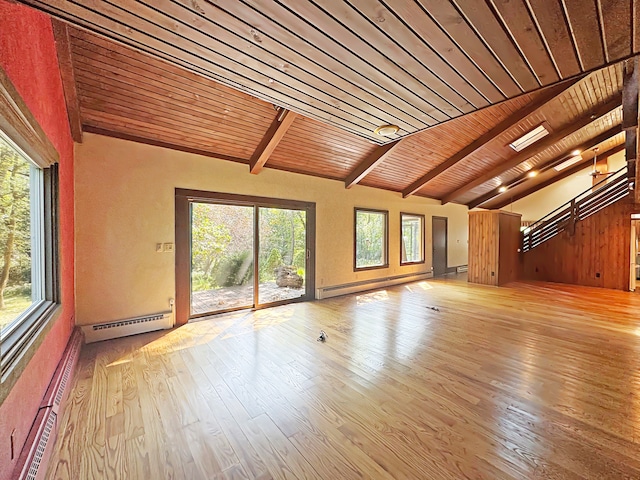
502 189
576 152
532 174
567 163
529 138
386 130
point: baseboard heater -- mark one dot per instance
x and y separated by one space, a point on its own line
33 461
128 326
354 287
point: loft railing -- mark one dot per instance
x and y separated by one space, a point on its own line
601 195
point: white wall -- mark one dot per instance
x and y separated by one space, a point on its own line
544 201
125 201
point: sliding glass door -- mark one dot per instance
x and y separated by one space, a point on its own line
282 254
221 257
241 252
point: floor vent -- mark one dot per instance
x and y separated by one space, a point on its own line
344 289
34 458
129 326
38 456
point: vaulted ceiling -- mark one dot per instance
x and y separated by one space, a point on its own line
301 85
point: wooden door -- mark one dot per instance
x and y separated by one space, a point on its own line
439 245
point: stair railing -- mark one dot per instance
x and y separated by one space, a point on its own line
602 194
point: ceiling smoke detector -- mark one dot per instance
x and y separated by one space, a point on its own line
386 130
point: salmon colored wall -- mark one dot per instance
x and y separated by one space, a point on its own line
28 56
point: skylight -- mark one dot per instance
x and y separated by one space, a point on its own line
529 138
567 163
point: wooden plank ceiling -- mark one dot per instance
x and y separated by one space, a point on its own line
359 64
115 85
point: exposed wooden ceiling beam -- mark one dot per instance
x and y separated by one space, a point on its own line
550 94
368 164
63 48
564 174
536 148
547 166
271 139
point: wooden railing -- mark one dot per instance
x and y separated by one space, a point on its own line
565 217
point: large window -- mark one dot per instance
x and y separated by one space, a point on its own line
29 285
371 238
412 241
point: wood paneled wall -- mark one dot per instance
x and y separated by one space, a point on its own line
597 255
494 239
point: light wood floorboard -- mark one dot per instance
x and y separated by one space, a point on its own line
528 381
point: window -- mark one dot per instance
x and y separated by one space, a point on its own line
29 285
371 238
412 242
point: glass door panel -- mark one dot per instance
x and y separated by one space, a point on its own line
282 254
222 253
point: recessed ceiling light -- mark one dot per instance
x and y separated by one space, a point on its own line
386 130
567 163
502 189
532 174
576 152
529 138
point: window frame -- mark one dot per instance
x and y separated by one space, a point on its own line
423 245
385 239
21 339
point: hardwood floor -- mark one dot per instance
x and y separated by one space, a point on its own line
524 381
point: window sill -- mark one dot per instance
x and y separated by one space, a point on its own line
19 345
374 267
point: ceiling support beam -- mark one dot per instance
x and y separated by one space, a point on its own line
271 139
63 48
368 164
588 145
536 148
630 122
564 174
549 95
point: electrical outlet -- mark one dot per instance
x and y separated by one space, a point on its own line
168 247
159 247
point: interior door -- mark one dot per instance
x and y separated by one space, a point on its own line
439 245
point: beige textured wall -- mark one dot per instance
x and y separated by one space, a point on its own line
125 205
544 201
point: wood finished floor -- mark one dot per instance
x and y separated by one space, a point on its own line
527 381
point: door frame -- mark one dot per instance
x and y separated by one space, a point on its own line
183 200
446 244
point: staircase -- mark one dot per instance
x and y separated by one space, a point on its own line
608 191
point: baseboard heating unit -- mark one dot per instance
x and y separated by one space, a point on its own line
128 326
355 287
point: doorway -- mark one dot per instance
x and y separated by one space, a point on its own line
236 252
439 245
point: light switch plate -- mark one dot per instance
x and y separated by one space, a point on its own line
159 247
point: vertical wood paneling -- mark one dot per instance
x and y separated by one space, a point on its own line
483 247
600 245
510 240
494 239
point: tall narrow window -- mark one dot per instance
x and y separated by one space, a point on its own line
412 244
371 238
29 282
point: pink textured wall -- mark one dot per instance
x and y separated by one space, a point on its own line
28 56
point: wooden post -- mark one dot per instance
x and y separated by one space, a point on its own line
630 122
